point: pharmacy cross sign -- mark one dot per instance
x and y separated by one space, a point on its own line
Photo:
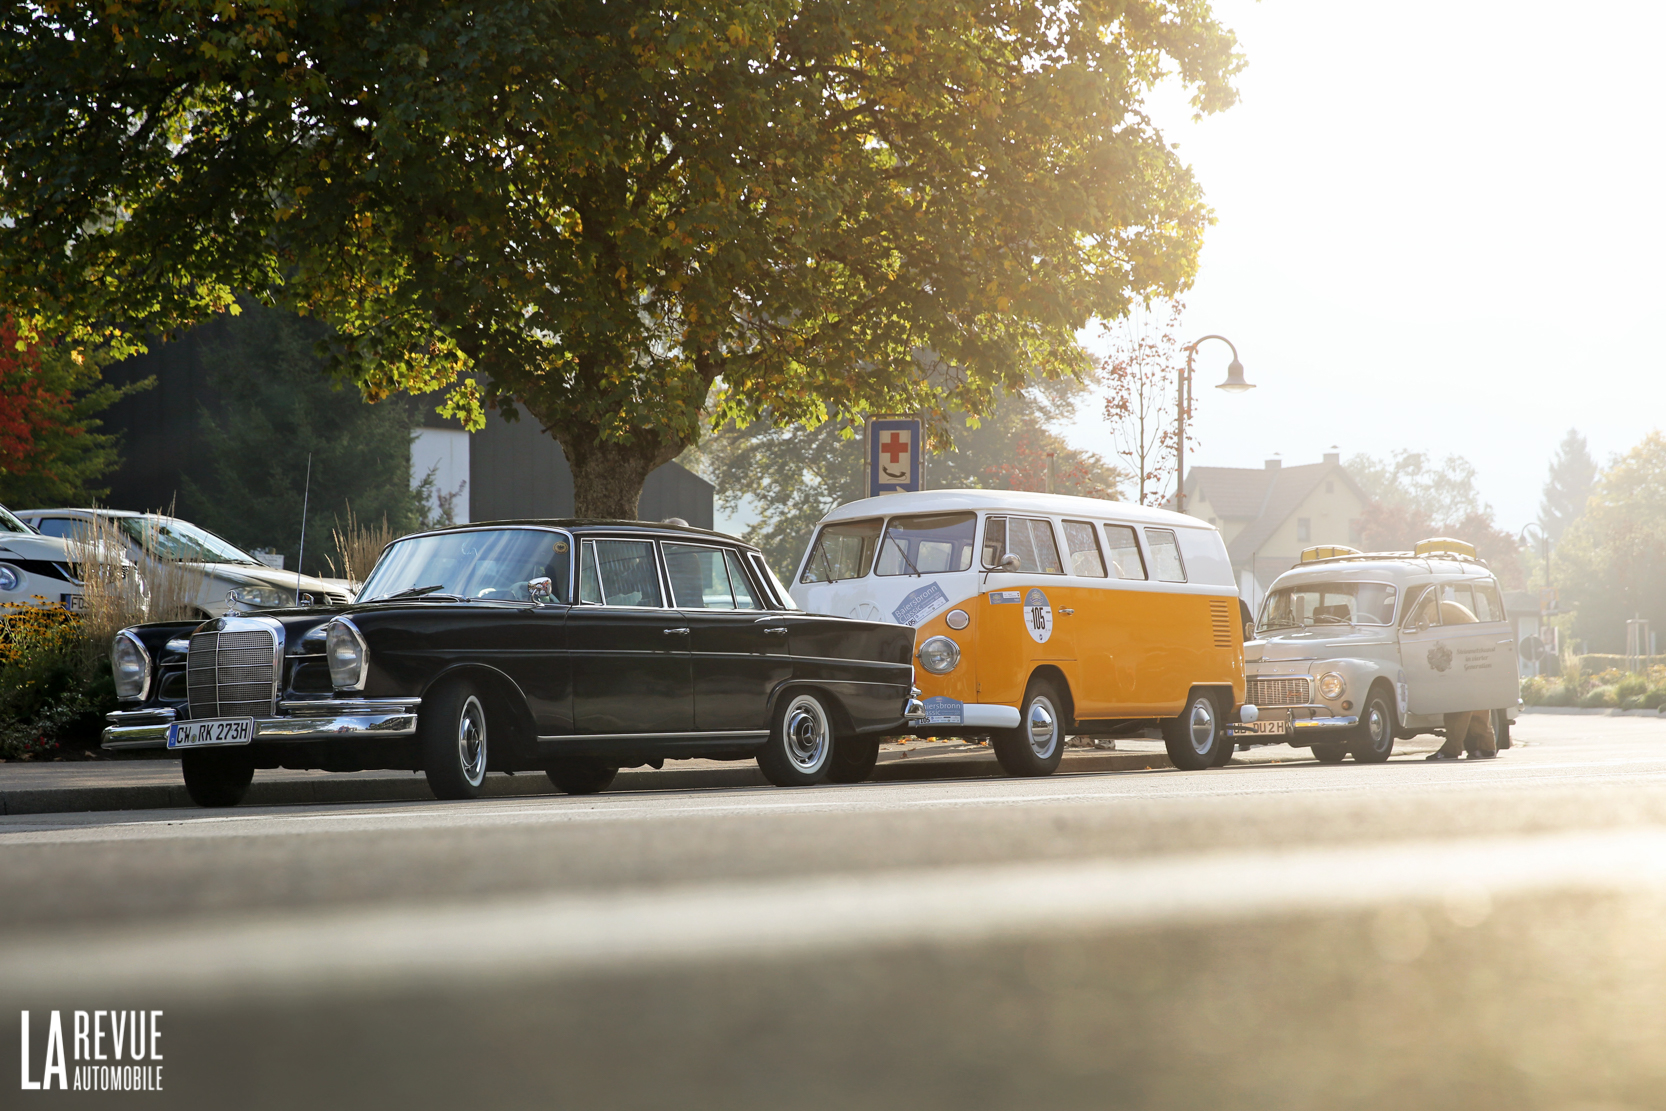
894 455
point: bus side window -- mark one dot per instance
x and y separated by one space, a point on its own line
1083 545
1165 553
994 541
1125 552
1487 604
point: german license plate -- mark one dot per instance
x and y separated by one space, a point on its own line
75 602
202 734
1267 726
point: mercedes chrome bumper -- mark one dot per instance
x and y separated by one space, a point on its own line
310 720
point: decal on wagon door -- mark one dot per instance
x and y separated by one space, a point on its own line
1038 616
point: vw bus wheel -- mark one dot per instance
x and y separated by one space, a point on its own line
1329 754
217 777
452 733
581 777
1037 745
1193 738
853 759
1373 739
800 746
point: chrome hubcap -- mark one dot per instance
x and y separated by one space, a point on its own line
1202 726
1042 727
471 741
807 734
1376 725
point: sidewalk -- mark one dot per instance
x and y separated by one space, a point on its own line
50 788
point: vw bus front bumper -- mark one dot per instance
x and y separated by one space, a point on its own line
1291 723
961 715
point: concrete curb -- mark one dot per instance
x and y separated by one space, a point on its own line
407 787
1591 711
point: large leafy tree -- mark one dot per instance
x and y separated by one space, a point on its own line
1612 560
626 219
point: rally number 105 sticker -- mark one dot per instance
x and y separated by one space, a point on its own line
1038 616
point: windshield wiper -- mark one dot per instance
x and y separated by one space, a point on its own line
902 550
415 592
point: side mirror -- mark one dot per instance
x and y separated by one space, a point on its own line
541 590
1011 562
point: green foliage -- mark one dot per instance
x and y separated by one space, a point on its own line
1573 474
794 475
609 209
276 408
1611 563
1413 498
51 682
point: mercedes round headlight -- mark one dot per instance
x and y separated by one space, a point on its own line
260 597
1332 686
130 664
10 577
939 655
345 650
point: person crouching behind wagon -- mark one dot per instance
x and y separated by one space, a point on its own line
1466 730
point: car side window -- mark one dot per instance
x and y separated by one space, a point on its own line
65 528
1425 611
699 577
1125 552
745 596
1165 554
1083 545
1457 604
619 573
1488 607
1028 538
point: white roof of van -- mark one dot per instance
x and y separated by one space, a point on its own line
1019 501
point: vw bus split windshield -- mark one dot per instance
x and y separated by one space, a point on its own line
927 544
842 551
1303 605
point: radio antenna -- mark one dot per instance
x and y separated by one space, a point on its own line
306 493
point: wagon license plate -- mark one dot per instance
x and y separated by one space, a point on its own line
1267 726
76 602
202 734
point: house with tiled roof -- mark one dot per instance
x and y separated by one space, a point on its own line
1268 515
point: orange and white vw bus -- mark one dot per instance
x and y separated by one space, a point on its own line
1041 615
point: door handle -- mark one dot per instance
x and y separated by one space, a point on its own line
1067 612
1508 640
780 629
676 632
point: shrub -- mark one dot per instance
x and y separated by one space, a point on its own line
1631 686
1600 697
1653 698
44 679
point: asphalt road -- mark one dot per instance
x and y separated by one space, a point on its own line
1287 936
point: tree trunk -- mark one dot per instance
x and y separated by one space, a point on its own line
608 476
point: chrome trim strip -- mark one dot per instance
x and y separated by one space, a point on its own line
322 707
153 716
654 736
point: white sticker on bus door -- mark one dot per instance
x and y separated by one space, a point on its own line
1038 616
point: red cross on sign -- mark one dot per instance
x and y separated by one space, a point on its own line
894 446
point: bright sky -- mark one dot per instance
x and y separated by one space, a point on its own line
1439 229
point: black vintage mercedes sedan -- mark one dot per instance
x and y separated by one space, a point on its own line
572 647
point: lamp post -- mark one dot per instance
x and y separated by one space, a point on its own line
1234 384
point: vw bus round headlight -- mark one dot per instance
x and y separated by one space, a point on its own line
130 665
939 655
347 655
1332 686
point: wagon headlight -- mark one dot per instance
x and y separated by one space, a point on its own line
10 577
345 650
939 655
130 664
1332 686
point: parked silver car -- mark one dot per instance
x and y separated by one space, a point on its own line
35 568
221 576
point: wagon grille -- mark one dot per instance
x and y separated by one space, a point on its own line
229 673
1277 692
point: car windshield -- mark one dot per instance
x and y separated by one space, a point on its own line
1303 605
480 563
8 523
171 538
927 545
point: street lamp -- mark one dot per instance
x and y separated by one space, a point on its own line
1234 384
